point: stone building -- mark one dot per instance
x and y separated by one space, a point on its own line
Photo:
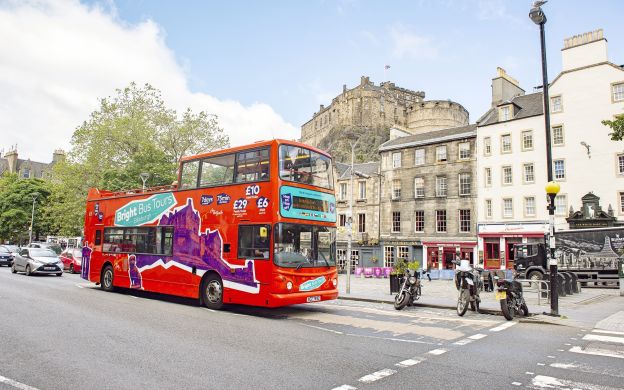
428 208
9 162
368 112
366 210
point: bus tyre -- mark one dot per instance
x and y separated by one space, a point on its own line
212 292
106 280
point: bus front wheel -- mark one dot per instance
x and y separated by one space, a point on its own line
212 292
106 280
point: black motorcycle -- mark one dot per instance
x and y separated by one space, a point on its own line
410 290
509 293
468 283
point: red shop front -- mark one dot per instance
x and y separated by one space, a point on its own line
498 249
439 255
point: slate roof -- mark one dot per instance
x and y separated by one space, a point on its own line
37 169
368 168
529 105
430 137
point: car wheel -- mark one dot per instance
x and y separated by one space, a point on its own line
59 274
71 269
212 292
106 280
13 270
28 273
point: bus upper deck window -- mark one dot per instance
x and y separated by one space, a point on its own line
190 171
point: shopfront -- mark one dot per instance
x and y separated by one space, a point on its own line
439 255
496 242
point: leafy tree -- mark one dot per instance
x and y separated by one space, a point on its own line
16 207
618 127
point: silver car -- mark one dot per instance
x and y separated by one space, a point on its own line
37 261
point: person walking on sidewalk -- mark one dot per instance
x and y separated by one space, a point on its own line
428 272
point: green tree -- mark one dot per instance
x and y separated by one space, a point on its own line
617 126
16 204
132 132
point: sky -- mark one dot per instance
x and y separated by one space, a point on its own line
264 67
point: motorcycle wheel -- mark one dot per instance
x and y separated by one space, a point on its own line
462 302
525 309
507 309
418 293
400 301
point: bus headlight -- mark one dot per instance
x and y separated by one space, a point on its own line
335 282
289 285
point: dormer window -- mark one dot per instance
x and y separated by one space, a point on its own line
505 113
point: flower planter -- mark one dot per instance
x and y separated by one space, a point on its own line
395 283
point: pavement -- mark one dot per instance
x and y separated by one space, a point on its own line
580 310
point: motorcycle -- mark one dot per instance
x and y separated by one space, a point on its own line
410 290
509 293
468 283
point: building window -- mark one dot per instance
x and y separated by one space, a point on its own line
388 256
464 150
465 182
361 223
559 169
419 157
561 204
441 221
506 143
555 104
527 140
419 187
620 159
557 136
396 189
488 208
529 206
488 177
419 221
618 92
342 219
441 153
621 202
343 191
342 258
507 175
505 113
403 252
529 173
507 208
441 186
25 173
464 220
361 190
396 222
487 146
396 160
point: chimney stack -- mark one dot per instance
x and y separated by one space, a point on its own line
584 49
504 87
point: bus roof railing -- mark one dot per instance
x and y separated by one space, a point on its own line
136 191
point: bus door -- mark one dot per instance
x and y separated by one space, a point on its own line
254 243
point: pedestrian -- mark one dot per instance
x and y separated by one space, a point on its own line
429 271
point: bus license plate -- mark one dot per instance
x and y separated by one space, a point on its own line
501 295
315 298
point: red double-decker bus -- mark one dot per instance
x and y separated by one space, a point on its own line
251 225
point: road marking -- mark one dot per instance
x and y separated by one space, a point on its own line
561 350
377 375
529 373
345 387
438 351
588 369
324 329
541 364
608 332
549 382
516 383
597 351
390 338
16 384
608 339
550 357
503 326
79 286
463 342
477 336
568 344
408 363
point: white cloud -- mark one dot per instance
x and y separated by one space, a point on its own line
407 44
59 57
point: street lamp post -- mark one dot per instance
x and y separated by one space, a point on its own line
350 219
144 176
32 217
538 17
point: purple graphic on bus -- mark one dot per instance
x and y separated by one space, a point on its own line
86 261
134 273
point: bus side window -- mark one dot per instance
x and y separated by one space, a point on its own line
217 170
98 237
254 241
252 165
189 178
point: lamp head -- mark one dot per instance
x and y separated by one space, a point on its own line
536 14
552 188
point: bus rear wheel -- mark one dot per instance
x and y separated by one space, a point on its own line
106 280
212 292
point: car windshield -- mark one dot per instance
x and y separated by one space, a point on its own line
302 165
12 248
298 246
77 253
4 250
55 248
39 252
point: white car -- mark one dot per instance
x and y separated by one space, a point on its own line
37 261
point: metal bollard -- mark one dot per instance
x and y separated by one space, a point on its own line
621 275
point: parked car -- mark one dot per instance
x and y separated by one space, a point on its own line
72 259
6 257
14 249
37 261
56 248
